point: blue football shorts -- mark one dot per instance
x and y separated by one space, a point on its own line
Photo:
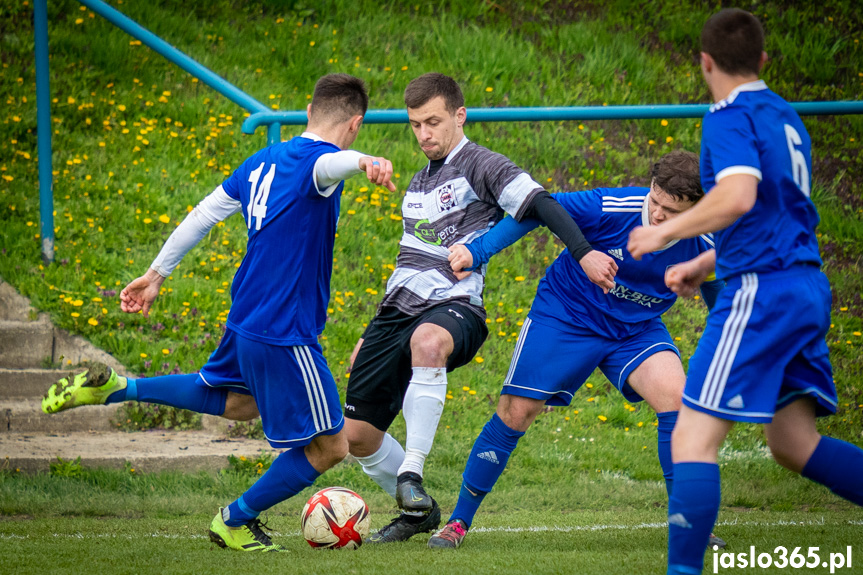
764 347
292 385
552 362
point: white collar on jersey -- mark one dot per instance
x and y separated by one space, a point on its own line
311 136
755 86
455 151
645 219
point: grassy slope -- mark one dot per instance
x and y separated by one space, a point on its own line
114 191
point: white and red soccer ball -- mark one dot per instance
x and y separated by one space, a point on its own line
336 518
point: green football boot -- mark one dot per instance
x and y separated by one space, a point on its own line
248 537
91 387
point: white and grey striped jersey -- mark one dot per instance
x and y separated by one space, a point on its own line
455 204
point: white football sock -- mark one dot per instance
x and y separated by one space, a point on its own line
422 409
383 465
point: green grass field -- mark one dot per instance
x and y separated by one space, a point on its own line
137 143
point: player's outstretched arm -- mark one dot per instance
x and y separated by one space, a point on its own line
686 278
379 171
140 294
464 258
332 168
600 269
729 199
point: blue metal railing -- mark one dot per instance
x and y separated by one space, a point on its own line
261 115
555 114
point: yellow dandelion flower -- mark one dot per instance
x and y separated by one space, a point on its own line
75 314
164 218
602 418
92 321
664 122
478 359
143 356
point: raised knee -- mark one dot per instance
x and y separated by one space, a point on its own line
338 450
430 346
327 451
359 445
787 457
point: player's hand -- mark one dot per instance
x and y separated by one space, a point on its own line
600 269
459 259
378 171
354 355
140 294
644 240
686 278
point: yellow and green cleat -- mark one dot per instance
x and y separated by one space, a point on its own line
248 537
92 387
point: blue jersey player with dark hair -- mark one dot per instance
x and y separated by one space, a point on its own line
763 356
269 360
575 327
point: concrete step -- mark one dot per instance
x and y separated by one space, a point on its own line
13 306
145 451
29 383
26 344
25 415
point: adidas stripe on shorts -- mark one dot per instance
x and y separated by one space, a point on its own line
764 347
552 362
292 385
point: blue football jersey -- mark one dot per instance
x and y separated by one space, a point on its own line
754 131
606 216
281 291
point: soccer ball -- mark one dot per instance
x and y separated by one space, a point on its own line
336 518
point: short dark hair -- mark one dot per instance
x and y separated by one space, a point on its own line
423 88
678 176
734 39
339 97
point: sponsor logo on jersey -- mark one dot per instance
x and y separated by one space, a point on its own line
445 196
736 402
415 205
457 314
350 407
489 456
631 295
425 231
616 253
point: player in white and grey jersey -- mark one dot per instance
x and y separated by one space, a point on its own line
453 201
429 322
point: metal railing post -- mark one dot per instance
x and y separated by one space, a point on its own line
274 133
43 131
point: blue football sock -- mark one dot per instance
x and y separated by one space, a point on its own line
667 419
692 511
180 391
838 466
289 474
486 462
128 393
